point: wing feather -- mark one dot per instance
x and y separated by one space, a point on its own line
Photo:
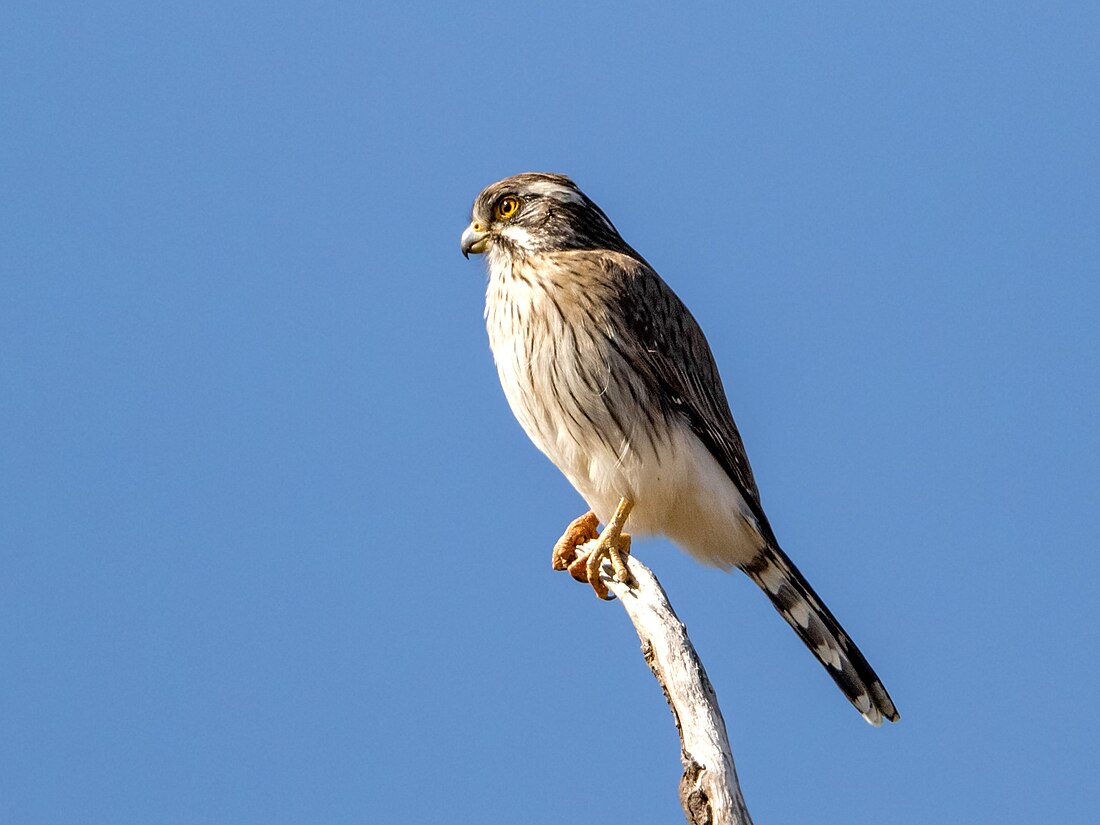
667 347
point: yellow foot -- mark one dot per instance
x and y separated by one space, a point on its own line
577 533
609 546
582 550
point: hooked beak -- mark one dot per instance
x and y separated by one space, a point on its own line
475 239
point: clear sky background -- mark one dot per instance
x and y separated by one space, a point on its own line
273 549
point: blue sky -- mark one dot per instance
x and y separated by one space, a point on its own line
274 549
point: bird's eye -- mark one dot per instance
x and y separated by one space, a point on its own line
507 208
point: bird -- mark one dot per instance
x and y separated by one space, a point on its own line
611 377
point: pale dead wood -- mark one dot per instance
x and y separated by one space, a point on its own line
709 790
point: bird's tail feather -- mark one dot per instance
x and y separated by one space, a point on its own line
797 602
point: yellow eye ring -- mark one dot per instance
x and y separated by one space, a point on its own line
506 208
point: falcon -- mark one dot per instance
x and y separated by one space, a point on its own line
611 377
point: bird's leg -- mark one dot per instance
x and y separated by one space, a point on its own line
577 533
613 544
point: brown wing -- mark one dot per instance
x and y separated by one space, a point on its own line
667 346
661 339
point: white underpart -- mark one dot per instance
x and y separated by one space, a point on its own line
679 490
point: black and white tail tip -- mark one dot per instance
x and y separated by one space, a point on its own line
797 602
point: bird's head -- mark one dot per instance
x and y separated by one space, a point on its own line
534 213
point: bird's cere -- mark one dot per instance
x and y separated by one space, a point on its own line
474 239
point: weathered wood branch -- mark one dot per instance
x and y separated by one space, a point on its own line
709 791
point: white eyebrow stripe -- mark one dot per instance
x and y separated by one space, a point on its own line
557 191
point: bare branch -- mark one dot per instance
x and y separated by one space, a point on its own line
709 791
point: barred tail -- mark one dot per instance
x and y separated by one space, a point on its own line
796 601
